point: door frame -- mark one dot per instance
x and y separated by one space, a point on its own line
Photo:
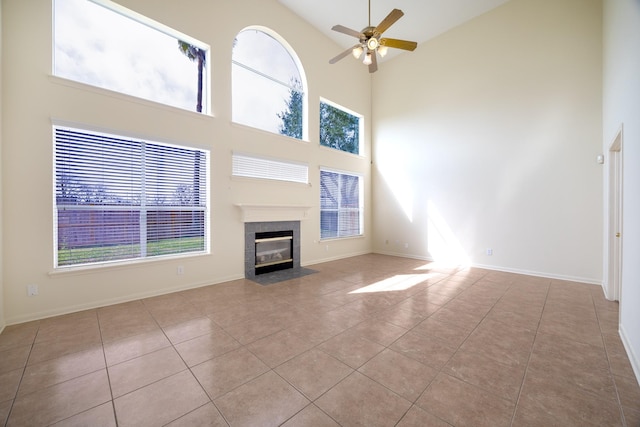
615 217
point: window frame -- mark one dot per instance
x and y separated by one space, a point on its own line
360 118
338 210
154 25
143 208
296 60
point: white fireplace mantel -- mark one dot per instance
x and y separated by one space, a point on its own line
266 213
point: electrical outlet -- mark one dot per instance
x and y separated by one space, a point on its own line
406 245
180 270
489 251
32 290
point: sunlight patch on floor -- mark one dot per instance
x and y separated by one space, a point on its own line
399 282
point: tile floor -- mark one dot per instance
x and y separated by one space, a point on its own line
369 341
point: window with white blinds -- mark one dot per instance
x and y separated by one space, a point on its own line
340 204
253 166
119 198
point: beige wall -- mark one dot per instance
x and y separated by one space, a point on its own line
487 137
32 99
622 108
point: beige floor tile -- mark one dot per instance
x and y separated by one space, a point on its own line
64 345
458 317
379 331
452 335
56 327
9 382
417 417
399 316
204 416
192 328
254 329
310 416
18 335
629 392
486 336
553 400
402 375
5 407
14 358
316 331
430 351
161 402
460 403
126 324
54 371
355 401
583 332
508 344
267 400
497 378
278 348
222 374
131 347
206 347
61 401
313 372
136 373
351 349
171 309
100 416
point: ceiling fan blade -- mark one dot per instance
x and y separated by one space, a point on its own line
342 55
373 67
348 31
399 44
392 17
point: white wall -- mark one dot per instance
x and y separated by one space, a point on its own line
32 98
621 106
487 137
2 316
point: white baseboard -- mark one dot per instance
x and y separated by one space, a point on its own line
633 357
111 301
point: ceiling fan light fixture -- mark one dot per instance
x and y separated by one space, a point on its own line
382 50
373 43
357 51
367 59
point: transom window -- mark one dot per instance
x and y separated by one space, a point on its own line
268 85
105 45
339 128
119 198
340 204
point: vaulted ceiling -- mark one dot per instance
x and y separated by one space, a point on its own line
422 20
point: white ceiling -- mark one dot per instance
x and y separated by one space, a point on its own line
422 20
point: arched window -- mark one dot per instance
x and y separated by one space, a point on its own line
269 87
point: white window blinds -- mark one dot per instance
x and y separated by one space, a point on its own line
119 198
340 204
253 166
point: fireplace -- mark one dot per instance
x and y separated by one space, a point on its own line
271 246
274 251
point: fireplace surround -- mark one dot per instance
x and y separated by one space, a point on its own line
278 247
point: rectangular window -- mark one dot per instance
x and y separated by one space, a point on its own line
103 44
340 204
252 166
119 198
339 128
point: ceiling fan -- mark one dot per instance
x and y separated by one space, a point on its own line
370 41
